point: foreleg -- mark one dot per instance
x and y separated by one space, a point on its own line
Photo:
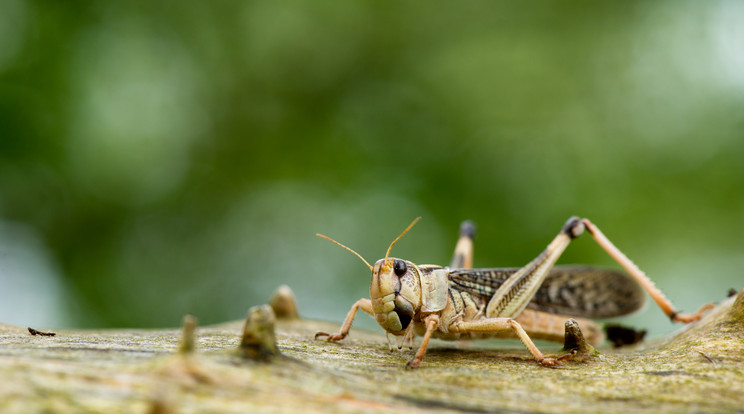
363 304
432 322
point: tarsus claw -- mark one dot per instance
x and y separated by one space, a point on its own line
552 362
333 338
692 317
568 355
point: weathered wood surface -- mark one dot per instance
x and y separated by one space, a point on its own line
698 369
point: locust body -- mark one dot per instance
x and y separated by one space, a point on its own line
459 302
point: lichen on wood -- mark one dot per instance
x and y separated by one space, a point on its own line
700 368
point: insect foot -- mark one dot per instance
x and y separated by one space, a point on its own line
554 362
413 364
259 340
331 338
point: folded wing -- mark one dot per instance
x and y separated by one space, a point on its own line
573 290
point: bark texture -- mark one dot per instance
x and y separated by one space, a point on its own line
698 369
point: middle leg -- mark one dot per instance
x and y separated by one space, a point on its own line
494 325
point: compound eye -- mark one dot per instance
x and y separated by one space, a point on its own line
399 267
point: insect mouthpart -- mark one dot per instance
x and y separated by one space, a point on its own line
404 310
404 317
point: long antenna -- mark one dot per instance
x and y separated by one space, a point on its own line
339 244
401 235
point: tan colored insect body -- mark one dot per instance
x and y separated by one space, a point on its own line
454 303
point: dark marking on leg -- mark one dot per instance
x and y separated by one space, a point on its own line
467 229
574 227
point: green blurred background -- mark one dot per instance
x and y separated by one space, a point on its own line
163 158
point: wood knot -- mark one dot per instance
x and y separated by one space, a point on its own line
259 340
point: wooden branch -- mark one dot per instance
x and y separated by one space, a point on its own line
698 369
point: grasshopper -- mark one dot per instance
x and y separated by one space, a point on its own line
459 302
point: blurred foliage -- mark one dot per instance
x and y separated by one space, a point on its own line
160 158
